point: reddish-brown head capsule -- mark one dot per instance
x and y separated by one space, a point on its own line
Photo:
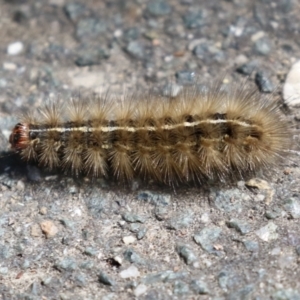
19 137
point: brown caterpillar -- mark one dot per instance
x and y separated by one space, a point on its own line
195 136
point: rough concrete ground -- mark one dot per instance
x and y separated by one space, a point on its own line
66 238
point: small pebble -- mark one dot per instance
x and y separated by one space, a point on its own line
241 226
90 28
140 290
9 66
181 220
291 88
268 232
15 48
194 19
273 213
263 46
127 240
158 8
186 253
90 251
66 264
263 82
136 49
172 90
247 68
74 10
199 287
185 77
286 294
3 270
43 210
292 206
155 198
131 218
118 259
251 246
48 228
181 288
105 279
207 237
131 272
35 230
131 256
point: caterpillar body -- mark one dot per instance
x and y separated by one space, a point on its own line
194 136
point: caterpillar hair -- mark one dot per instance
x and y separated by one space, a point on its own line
198 135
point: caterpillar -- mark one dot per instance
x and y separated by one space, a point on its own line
196 136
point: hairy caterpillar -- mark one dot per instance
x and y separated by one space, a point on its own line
194 136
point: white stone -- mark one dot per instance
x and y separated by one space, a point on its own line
57 2
257 36
268 232
131 272
140 290
9 66
15 48
129 239
291 88
205 218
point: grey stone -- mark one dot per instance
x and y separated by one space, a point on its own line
105 279
263 82
136 49
243 293
129 217
134 227
161 212
207 50
240 225
263 46
229 200
5 252
206 238
66 264
80 279
185 77
181 288
194 19
88 28
292 206
131 256
268 232
181 220
4 270
87 265
131 34
88 56
141 233
74 10
90 251
158 8
186 253
165 276
273 213
248 68
286 294
199 287
223 279
96 203
251 245
155 198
